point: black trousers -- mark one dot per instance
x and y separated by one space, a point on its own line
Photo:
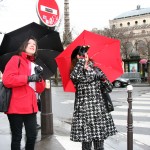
16 124
98 145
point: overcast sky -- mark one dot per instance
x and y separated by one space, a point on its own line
84 14
88 14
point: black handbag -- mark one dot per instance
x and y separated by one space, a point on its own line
108 102
105 83
5 96
39 104
106 86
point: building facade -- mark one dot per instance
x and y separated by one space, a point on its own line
135 24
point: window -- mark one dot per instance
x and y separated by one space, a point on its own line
136 22
121 24
144 21
128 23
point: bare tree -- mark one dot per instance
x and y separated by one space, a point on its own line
147 40
122 35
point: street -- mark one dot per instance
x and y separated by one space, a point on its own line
62 105
63 109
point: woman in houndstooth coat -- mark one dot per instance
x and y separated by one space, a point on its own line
91 121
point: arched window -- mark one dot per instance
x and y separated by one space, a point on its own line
121 24
128 23
136 22
144 21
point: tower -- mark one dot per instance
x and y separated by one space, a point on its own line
67 35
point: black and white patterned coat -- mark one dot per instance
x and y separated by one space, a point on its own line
91 121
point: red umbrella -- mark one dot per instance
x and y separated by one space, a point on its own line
143 61
103 50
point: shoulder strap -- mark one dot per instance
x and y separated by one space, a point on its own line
19 62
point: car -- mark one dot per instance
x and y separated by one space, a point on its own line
121 82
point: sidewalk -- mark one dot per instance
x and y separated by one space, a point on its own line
60 140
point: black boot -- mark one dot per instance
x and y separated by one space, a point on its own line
86 145
98 145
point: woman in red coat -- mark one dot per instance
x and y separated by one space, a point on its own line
24 77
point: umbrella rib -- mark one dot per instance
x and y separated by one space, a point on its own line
94 54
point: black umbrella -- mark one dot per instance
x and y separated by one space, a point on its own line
46 59
49 43
13 40
4 59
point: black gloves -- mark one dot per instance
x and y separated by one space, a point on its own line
99 74
37 77
38 70
34 78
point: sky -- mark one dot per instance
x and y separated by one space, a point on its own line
84 14
97 13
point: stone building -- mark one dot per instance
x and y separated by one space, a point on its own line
135 24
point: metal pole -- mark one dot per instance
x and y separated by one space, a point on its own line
46 111
148 70
129 119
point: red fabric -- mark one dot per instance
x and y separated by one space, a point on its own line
103 50
23 100
31 58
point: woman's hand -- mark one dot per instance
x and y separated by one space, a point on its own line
86 57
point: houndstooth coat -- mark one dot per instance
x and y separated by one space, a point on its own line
91 121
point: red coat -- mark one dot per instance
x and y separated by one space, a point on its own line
23 100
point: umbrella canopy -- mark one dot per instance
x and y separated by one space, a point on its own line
46 59
46 55
13 40
143 61
51 41
103 50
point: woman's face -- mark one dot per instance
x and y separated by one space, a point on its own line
31 47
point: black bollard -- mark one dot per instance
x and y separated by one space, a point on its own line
46 111
129 119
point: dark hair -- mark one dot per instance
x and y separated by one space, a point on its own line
25 44
73 63
79 50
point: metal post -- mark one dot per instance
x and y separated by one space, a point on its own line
129 119
46 111
148 70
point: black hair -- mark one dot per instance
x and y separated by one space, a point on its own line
79 50
25 44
